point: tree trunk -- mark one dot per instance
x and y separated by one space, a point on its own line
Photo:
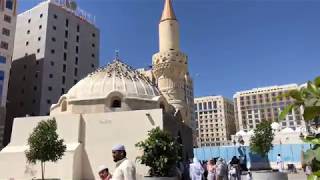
42 170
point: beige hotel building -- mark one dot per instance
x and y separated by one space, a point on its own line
214 120
260 104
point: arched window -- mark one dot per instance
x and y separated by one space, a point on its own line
64 106
116 103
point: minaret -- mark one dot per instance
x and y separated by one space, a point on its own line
170 66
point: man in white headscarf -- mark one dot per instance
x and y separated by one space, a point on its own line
125 169
196 170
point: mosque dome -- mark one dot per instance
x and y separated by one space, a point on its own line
116 87
116 76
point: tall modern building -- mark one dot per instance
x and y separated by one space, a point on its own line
170 66
57 45
260 104
8 15
214 116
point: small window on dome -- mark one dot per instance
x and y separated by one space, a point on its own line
116 103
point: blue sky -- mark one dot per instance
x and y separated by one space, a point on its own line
232 45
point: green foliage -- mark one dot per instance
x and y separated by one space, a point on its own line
44 143
261 141
309 98
161 153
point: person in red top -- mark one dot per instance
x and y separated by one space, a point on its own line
104 173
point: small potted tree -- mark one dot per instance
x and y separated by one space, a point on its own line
161 153
261 144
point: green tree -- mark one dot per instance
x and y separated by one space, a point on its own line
44 144
161 152
308 97
261 141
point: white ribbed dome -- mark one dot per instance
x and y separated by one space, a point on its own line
115 77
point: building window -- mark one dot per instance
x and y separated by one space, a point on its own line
39 38
64 68
77 49
76 61
67 22
93 45
75 81
50 75
92 65
55 16
62 91
54 27
65 45
48 101
66 34
52 51
77 38
6 31
4 45
27 43
41 15
2 60
64 56
49 88
38 50
92 55
52 63
75 71
93 35
78 28
9 4
63 79
53 39
29 21
7 18
28 32
35 88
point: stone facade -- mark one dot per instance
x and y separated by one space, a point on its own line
214 117
8 15
54 50
259 104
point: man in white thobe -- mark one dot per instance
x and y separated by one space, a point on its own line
125 169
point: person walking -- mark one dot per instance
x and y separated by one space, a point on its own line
280 163
234 170
125 169
196 170
104 173
211 167
221 169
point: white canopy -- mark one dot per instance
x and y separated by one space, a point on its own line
241 133
287 130
275 126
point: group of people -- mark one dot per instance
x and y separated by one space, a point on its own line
125 169
218 169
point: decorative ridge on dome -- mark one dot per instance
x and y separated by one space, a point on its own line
121 70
